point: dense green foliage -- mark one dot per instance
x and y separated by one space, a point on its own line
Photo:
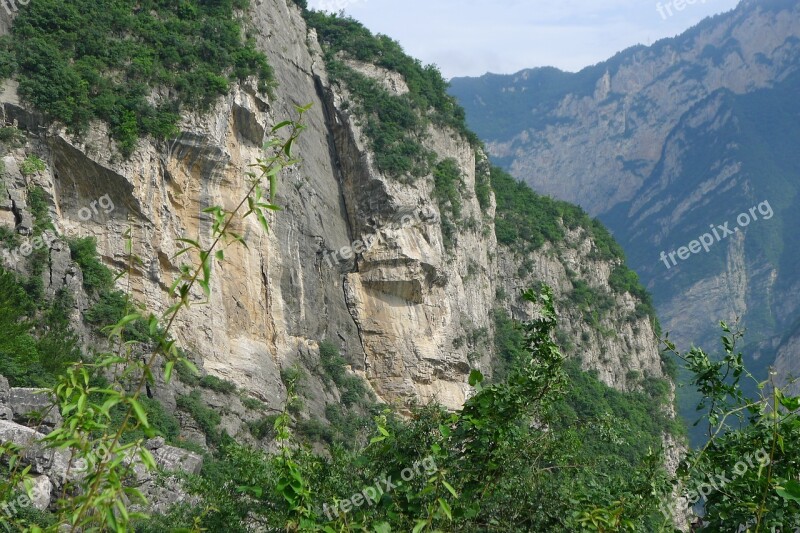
747 473
333 365
508 345
162 422
545 433
217 385
447 189
78 60
36 339
427 87
36 345
393 125
207 418
527 220
96 276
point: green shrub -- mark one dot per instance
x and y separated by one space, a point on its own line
333 364
9 238
208 419
293 374
253 404
622 280
263 428
161 421
85 59
11 137
39 210
508 345
35 347
32 165
315 431
217 385
447 186
186 375
96 276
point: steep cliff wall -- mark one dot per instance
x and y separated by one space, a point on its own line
404 310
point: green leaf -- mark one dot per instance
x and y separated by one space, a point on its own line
128 319
281 125
168 371
420 526
141 414
273 187
790 491
475 377
450 488
191 242
262 220
792 403
191 366
445 508
147 458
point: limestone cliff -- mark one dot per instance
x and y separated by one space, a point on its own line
404 310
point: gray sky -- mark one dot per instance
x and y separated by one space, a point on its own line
472 37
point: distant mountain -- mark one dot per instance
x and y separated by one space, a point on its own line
667 144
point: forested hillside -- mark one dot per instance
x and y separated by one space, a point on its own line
258 275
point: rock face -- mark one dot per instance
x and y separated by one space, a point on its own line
32 406
51 469
668 144
355 257
399 310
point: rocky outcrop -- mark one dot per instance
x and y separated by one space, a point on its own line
354 257
397 310
51 468
34 406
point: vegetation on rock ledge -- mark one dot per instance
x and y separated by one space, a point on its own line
79 60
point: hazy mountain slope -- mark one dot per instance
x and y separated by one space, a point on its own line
593 137
665 143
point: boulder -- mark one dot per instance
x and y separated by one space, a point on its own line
41 490
43 461
172 459
5 391
29 405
